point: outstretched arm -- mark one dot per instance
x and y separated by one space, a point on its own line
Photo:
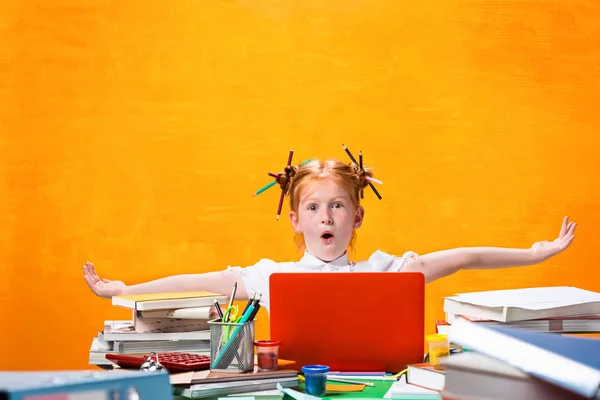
217 282
446 262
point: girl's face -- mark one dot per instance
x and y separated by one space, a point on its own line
326 217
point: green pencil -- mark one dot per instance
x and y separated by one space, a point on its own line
259 191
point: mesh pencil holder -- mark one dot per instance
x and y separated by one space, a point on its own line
231 346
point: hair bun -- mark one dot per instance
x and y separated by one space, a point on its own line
361 174
284 179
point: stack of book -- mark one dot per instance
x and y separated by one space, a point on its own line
161 322
560 309
509 363
553 311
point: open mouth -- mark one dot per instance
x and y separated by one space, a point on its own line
327 237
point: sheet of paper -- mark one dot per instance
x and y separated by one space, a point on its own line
296 394
530 298
403 388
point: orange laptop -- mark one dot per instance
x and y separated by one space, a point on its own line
350 321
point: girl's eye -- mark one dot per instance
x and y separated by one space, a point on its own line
312 207
338 205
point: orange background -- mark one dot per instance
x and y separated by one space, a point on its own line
132 134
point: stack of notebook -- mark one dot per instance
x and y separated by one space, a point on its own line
161 322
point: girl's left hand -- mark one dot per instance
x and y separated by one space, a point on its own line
546 249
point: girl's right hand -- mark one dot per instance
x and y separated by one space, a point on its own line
101 287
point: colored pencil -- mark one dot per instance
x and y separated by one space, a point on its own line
354 161
362 192
289 162
271 184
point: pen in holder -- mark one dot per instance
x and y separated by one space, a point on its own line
231 346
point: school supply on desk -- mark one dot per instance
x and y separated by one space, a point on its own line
248 383
234 338
208 376
167 301
403 390
296 394
474 375
125 330
88 385
524 304
342 385
203 313
172 361
143 325
360 321
426 375
568 362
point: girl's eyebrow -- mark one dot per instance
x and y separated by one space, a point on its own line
338 198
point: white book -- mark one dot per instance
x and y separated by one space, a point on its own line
125 331
524 304
180 313
168 301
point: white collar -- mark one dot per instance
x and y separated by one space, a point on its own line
310 260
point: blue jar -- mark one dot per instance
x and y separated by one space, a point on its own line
315 377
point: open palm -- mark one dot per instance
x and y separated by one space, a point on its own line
101 287
546 249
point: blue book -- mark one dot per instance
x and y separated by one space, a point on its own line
572 363
88 385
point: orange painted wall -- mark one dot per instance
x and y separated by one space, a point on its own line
133 134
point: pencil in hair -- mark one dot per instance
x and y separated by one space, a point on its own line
375 190
259 191
354 161
280 204
369 178
362 192
349 154
289 162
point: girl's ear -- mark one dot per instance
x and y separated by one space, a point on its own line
359 217
294 221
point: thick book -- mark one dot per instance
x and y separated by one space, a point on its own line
477 376
125 331
167 301
569 362
524 304
426 375
157 325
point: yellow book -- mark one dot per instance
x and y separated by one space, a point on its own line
166 301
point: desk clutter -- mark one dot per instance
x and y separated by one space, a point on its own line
205 349
520 344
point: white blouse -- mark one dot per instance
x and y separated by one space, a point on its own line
256 277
